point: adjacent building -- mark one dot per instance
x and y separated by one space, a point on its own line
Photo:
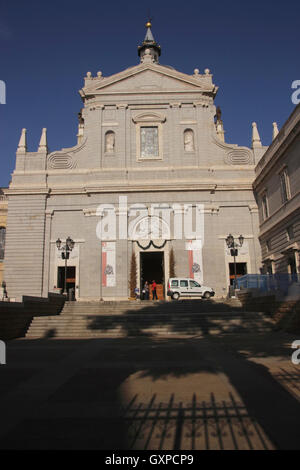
151 173
277 189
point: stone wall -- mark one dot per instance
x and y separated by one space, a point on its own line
15 317
24 248
285 313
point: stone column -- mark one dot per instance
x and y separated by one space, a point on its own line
255 232
47 246
99 109
202 134
122 144
177 138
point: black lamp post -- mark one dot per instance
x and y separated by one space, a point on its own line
4 290
234 250
65 254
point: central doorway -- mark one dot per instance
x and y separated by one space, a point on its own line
152 268
71 278
241 270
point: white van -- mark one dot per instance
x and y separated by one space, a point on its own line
186 287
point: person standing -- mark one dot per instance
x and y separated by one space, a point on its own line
146 288
154 293
137 293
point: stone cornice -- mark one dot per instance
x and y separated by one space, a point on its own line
17 191
287 134
87 171
291 247
96 86
211 209
160 187
273 257
49 212
253 209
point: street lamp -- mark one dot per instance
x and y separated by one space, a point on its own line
234 251
65 254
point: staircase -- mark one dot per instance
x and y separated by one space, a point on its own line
123 319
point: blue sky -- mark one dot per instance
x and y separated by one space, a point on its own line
46 48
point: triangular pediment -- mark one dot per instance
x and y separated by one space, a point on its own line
148 78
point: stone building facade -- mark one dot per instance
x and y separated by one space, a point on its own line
150 142
276 186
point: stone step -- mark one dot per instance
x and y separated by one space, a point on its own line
130 318
136 330
150 309
141 304
140 327
152 318
120 319
122 334
142 331
149 323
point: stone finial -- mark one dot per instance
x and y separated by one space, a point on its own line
80 133
80 127
275 130
220 130
89 75
99 74
43 146
147 57
196 72
256 142
207 71
22 147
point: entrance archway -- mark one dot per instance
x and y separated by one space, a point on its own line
152 268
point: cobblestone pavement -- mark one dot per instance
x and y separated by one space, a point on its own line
213 393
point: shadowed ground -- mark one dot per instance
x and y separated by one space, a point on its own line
235 392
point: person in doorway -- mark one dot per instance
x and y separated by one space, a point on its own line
5 296
146 290
137 293
154 293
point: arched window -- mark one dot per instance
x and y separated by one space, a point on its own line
2 242
189 144
110 142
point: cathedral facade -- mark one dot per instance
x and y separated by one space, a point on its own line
151 178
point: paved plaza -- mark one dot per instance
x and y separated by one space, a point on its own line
230 392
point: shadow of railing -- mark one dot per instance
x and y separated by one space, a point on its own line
103 394
290 379
93 384
198 425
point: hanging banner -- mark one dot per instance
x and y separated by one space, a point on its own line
108 264
194 249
